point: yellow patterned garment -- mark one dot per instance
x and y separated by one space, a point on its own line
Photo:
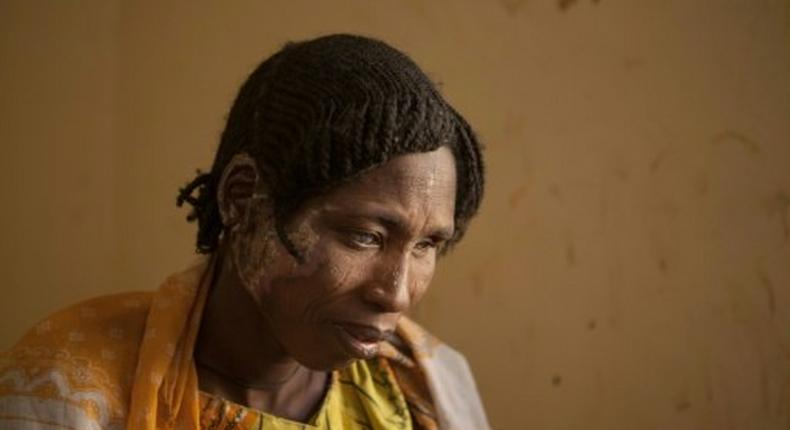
362 396
125 362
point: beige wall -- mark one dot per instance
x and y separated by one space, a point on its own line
631 265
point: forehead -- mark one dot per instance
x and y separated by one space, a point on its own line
424 169
416 184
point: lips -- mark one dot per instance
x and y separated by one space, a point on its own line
359 341
363 332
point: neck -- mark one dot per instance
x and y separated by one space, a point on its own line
238 357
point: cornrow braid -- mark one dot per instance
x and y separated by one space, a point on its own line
203 206
322 112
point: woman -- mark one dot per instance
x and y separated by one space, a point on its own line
341 177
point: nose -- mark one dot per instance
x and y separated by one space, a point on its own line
389 291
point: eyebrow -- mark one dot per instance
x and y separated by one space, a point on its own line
395 223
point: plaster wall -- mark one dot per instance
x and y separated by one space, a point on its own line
630 267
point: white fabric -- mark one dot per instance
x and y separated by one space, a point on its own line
454 391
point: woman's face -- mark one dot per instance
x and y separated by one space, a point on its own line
370 249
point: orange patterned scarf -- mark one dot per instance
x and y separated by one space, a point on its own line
125 361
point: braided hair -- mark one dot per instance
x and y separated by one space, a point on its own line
320 112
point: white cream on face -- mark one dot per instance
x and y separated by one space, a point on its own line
303 236
411 193
256 247
253 242
365 258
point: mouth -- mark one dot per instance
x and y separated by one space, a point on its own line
359 341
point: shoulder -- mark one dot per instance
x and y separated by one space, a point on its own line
86 328
76 365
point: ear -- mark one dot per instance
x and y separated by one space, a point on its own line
237 188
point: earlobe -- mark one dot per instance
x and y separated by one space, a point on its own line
236 188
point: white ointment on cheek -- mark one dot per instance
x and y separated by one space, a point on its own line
254 242
256 247
303 236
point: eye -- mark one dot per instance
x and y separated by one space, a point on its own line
364 239
426 245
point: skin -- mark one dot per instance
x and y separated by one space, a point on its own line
370 248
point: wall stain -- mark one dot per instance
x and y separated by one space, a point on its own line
750 145
663 265
556 380
592 325
682 402
682 405
703 184
512 7
779 205
516 196
555 191
769 292
622 174
658 160
570 254
633 63
564 5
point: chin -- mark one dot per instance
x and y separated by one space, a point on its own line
319 350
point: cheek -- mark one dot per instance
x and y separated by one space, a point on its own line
303 235
260 258
422 277
253 249
339 274
302 290
344 269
